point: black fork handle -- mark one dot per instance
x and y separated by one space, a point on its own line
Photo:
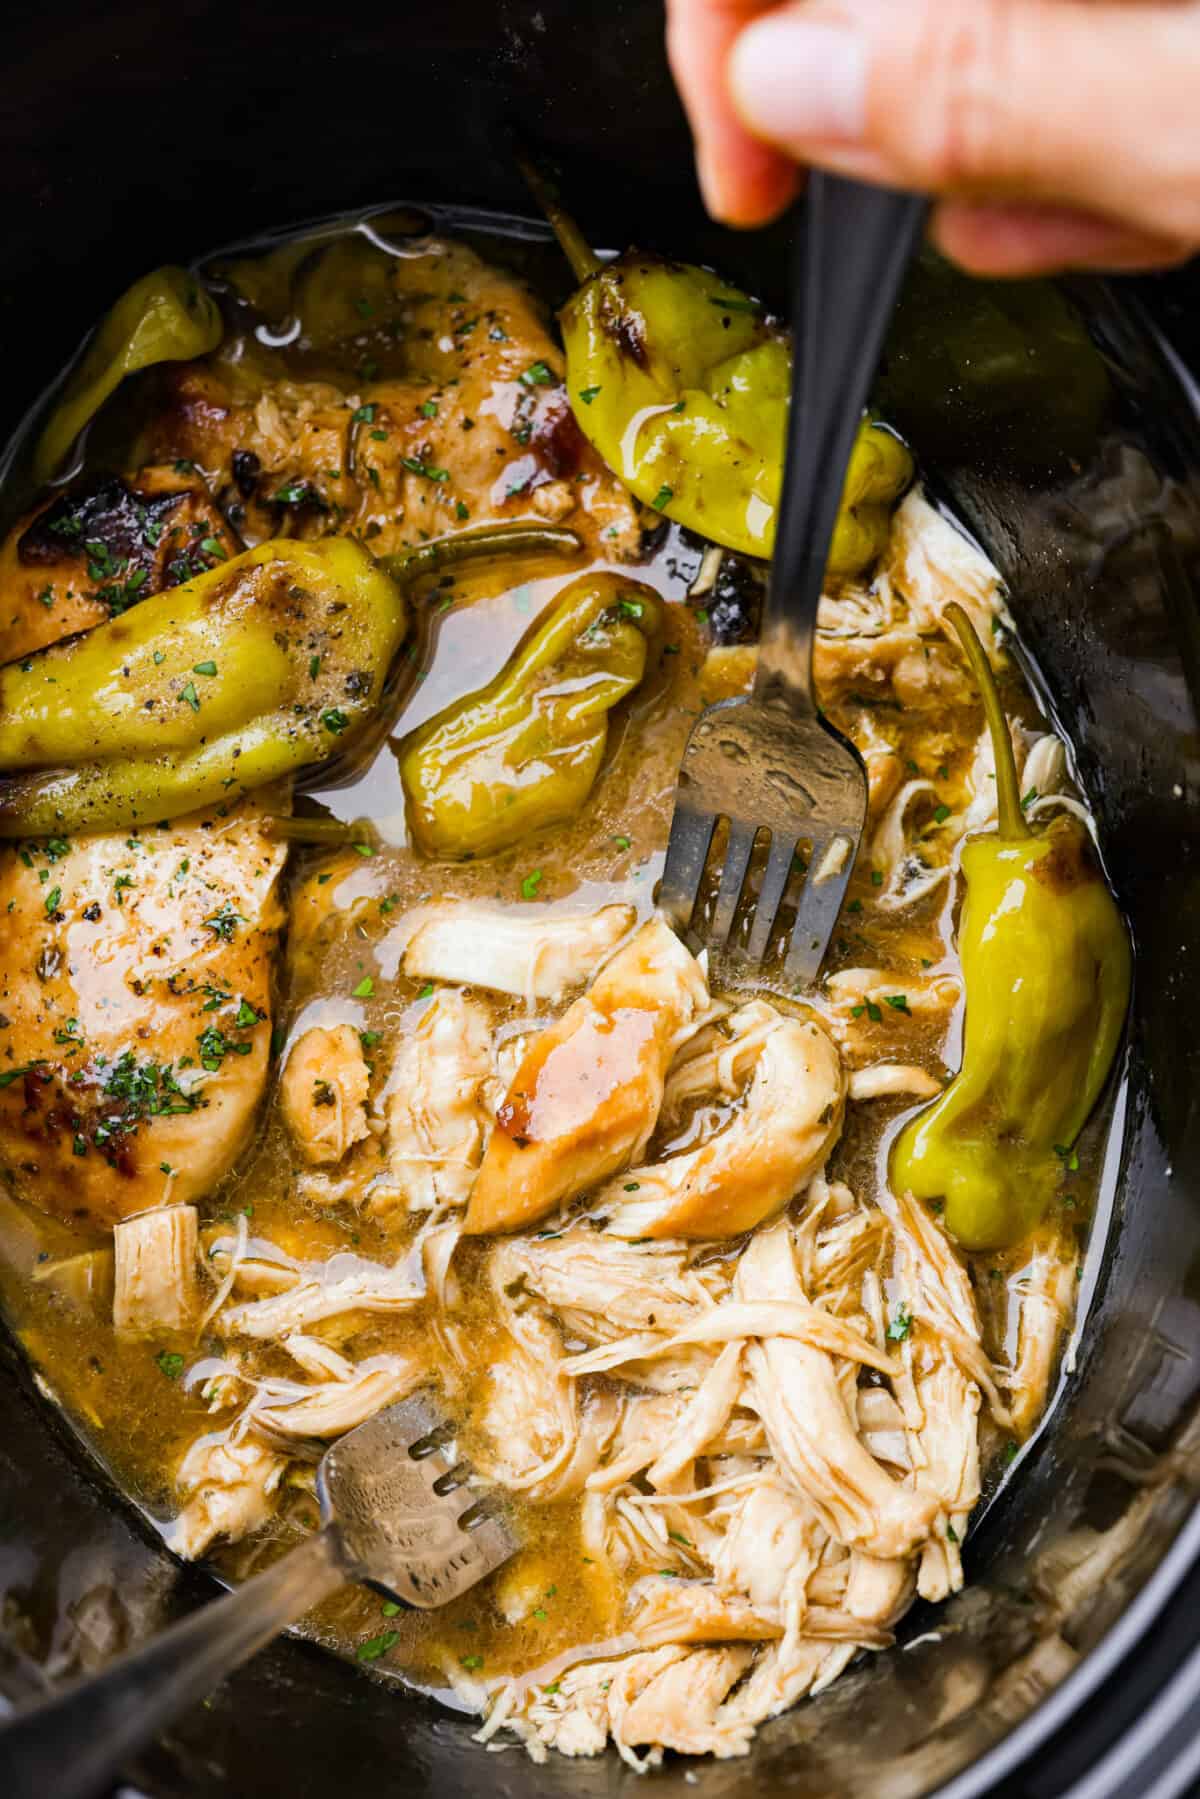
853 246
72 1745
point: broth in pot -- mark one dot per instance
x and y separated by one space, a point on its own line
343 1051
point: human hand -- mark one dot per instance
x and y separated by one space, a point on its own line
1054 133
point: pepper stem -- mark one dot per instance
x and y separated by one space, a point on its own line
328 831
1010 815
470 546
573 244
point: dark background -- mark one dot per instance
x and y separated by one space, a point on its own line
136 134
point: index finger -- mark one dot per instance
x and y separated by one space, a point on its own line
744 181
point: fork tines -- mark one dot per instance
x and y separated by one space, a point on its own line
793 795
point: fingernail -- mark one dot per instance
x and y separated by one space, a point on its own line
712 186
797 80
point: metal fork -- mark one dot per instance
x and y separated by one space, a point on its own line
772 763
397 1511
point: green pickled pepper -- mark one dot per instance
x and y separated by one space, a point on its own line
523 752
167 316
1046 971
270 663
681 383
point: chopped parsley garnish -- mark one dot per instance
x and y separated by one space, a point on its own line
51 901
429 409
335 720
374 1647
189 694
734 303
314 667
426 991
415 466
461 510
369 1039
623 842
214 1046
292 493
530 884
630 608
538 374
901 1324
365 988
941 814
1068 1157
898 1002
364 415
170 1363
147 1089
471 1662
204 668
213 547
588 394
15 1074
663 498
224 922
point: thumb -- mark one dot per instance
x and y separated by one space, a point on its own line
1090 107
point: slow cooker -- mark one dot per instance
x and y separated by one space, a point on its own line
1063 425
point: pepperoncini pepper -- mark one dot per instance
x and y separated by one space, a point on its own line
523 752
1046 970
271 662
681 384
167 316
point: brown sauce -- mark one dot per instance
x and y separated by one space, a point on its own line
127 1397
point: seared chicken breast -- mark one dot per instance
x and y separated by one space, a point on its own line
135 1011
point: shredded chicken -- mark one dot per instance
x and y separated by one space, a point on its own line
586 1097
529 955
798 1396
227 1491
933 562
892 1080
345 1283
322 1092
602 1289
437 1119
155 1260
337 1405
1046 1288
785 1127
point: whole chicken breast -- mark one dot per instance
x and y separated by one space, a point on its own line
135 1011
